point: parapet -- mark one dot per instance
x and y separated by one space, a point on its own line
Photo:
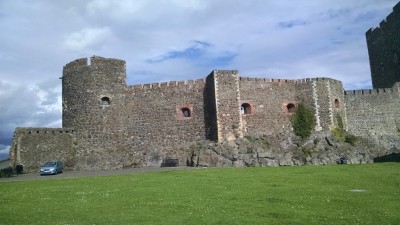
377 91
94 61
182 83
396 8
375 32
298 81
36 130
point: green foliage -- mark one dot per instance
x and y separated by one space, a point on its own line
277 195
306 153
339 121
6 172
341 134
303 121
351 139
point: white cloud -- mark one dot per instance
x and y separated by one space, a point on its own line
87 38
4 151
119 10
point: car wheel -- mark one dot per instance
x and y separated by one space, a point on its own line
62 170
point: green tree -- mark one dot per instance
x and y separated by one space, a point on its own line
303 121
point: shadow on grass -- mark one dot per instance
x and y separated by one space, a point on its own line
394 157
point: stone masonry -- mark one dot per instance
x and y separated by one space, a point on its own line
109 125
384 50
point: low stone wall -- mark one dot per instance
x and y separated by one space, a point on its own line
34 146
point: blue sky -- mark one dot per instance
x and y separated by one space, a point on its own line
168 40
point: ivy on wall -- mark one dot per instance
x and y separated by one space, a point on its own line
303 121
341 134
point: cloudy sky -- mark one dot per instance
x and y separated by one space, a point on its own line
163 40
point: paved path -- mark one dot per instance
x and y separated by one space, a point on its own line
74 174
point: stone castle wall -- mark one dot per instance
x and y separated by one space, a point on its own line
34 146
384 50
108 125
270 98
374 113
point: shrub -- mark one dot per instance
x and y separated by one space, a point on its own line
303 121
339 121
341 134
351 139
6 172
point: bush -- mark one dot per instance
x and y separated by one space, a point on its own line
339 121
303 121
341 134
351 139
6 172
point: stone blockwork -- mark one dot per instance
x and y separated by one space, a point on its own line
32 147
375 113
384 50
109 125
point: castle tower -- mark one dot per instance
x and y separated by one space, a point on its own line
227 102
93 94
384 50
328 103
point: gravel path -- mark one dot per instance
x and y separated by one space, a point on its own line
74 174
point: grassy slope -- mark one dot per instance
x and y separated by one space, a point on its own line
281 195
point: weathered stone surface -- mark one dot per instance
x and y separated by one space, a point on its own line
108 124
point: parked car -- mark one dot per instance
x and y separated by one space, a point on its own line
52 167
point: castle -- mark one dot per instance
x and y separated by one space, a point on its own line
109 125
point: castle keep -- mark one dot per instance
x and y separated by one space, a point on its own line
109 125
384 50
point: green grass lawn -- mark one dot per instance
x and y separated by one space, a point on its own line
278 195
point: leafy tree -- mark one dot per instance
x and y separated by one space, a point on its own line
303 121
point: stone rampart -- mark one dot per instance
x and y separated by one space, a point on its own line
270 102
374 112
114 126
32 147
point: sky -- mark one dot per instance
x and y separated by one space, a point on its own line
171 40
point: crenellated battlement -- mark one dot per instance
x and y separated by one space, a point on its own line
374 32
384 49
297 81
93 62
41 131
182 83
377 91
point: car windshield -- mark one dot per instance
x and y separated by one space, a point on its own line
49 164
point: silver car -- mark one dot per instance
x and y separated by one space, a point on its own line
52 167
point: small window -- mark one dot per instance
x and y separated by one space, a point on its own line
186 112
105 101
337 103
291 108
245 109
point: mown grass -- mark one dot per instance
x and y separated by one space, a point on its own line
281 195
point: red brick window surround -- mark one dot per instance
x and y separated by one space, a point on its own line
291 107
246 109
184 111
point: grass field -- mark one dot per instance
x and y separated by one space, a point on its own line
338 194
